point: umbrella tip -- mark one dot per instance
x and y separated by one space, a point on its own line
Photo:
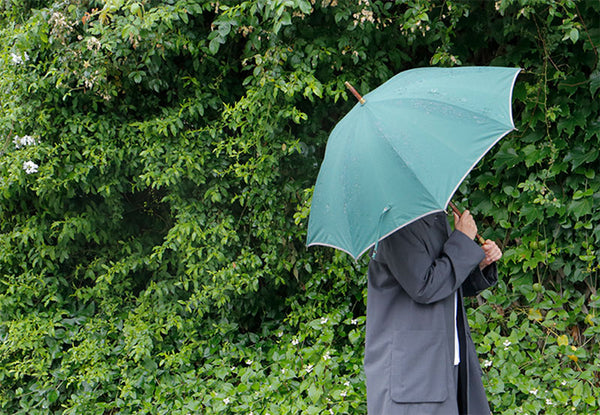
355 93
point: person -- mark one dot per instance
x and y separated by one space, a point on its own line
419 355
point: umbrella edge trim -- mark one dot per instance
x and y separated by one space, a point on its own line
400 227
380 239
512 88
335 247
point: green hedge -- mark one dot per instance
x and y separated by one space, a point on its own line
157 166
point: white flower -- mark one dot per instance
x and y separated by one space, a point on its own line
249 362
93 43
326 356
533 392
324 320
506 344
487 363
226 401
354 321
549 402
24 141
343 393
280 334
283 371
309 368
30 167
347 383
295 342
16 59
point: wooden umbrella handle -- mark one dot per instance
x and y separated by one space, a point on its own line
355 93
459 213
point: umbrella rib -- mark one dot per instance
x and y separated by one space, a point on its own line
479 115
467 110
394 151
345 185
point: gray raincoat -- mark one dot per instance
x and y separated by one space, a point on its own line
410 332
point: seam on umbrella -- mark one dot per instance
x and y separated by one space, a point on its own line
344 184
479 115
395 152
445 143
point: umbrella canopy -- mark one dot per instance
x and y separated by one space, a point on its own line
402 153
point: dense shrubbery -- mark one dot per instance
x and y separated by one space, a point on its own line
156 173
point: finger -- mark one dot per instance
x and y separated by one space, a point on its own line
496 256
491 249
490 246
487 247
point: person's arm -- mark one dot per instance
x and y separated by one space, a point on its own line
479 280
425 280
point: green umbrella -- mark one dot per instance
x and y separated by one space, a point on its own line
404 149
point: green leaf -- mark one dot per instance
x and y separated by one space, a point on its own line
314 393
53 396
574 35
595 81
214 45
354 336
535 314
562 340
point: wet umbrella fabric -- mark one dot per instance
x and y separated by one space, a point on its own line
403 153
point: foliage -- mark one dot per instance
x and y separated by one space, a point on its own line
157 165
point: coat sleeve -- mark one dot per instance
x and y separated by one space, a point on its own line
479 280
424 277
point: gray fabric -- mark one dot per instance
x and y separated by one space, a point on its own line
410 322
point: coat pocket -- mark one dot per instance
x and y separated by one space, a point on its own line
421 366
